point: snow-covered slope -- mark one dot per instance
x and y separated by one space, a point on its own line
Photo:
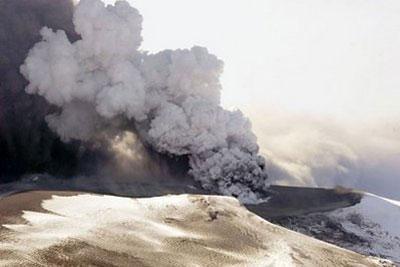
376 220
371 227
53 228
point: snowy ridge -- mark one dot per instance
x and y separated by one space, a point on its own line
174 230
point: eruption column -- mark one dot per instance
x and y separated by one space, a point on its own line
103 82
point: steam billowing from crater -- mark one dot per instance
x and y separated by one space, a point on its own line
103 85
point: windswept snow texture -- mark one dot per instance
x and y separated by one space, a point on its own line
376 220
175 230
171 98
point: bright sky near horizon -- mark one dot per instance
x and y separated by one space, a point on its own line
326 57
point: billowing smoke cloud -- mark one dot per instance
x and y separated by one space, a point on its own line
26 143
102 83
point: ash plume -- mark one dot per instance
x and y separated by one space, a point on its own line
101 85
26 143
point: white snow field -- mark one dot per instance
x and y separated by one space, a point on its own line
71 228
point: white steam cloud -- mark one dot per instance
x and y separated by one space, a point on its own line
171 98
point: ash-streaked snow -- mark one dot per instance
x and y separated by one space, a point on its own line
370 227
177 230
377 220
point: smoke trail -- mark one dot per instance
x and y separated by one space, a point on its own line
102 84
